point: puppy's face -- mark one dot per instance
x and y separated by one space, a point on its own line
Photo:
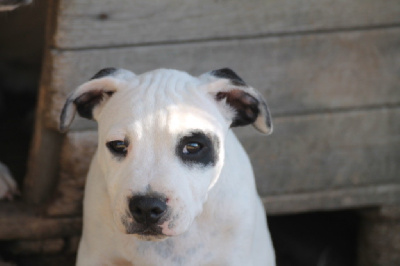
160 140
161 143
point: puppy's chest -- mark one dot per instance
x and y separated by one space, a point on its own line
170 253
187 249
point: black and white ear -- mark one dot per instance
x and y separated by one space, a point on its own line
88 98
240 103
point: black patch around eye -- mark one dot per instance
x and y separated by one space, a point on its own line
206 156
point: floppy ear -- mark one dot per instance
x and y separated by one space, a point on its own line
88 98
240 103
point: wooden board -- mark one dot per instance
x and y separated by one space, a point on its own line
336 199
42 246
43 161
297 74
106 23
326 151
309 162
18 221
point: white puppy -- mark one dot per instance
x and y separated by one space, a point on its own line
170 183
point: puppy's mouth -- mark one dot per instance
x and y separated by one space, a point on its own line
151 237
148 234
151 232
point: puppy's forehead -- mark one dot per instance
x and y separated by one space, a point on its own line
165 81
164 99
161 88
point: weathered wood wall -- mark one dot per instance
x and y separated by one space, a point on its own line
329 70
297 74
105 23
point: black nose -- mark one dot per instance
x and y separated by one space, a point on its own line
147 210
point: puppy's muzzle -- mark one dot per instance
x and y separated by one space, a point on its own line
146 210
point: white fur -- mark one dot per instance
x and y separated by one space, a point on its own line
217 217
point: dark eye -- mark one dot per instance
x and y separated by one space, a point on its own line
197 149
118 147
192 148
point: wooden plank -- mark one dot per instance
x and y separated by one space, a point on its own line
327 200
45 148
321 151
18 221
306 157
76 154
43 160
32 247
296 74
105 23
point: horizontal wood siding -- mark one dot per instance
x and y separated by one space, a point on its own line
296 74
105 23
325 200
18 221
340 152
326 151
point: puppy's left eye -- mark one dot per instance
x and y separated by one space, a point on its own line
118 147
197 149
192 148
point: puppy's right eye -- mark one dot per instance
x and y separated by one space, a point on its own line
118 147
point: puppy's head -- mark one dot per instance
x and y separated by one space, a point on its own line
161 140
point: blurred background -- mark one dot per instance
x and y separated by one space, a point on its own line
329 175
